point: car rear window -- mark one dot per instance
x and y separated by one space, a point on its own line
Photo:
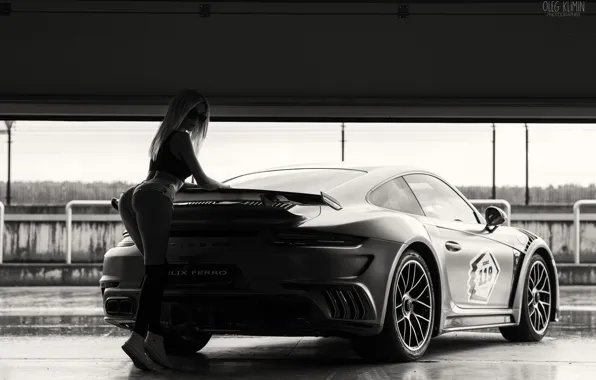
309 181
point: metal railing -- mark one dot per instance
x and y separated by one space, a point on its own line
1 231
576 224
504 203
69 222
501 202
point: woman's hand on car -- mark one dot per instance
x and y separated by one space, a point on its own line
211 185
187 185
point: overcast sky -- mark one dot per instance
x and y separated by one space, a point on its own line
462 153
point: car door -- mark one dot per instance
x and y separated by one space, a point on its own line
478 268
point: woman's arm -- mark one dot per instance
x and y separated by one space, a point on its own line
183 146
189 185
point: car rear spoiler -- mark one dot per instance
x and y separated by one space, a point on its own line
267 197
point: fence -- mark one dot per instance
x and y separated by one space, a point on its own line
72 203
69 206
49 193
1 231
59 193
577 226
69 217
565 194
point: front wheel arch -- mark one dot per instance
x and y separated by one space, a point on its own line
538 247
552 272
526 329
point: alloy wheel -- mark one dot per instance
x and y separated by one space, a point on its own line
413 306
539 297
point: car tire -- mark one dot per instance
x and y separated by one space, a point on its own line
411 306
537 304
185 346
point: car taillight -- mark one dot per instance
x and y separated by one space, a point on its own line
316 239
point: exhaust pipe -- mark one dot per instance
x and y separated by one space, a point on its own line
120 307
125 307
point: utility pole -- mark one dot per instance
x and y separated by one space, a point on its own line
343 141
527 167
9 125
494 162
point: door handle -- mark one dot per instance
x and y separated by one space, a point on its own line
452 246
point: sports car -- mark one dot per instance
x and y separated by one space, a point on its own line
387 257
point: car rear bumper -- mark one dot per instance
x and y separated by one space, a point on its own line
295 291
252 314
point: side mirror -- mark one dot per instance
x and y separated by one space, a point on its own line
114 203
494 216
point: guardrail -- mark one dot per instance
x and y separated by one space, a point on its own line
1 231
576 224
502 202
69 222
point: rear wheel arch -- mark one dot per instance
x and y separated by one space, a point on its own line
392 343
433 266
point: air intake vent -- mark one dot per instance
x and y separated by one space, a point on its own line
531 238
345 303
283 205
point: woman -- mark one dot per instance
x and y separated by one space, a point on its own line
146 212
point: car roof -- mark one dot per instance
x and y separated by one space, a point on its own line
391 170
356 189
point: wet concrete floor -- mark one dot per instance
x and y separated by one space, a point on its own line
58 333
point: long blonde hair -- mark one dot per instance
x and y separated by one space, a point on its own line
178 109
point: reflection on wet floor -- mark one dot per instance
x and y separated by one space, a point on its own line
57 325
461 356
56 333
86 300
572 323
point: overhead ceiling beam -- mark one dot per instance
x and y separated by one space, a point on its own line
311 109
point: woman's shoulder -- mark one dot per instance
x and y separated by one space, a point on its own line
178 138
178 133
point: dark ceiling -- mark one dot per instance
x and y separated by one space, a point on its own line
336 60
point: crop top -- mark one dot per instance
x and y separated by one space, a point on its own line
167 162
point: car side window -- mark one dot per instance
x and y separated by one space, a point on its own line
440 201
396 195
